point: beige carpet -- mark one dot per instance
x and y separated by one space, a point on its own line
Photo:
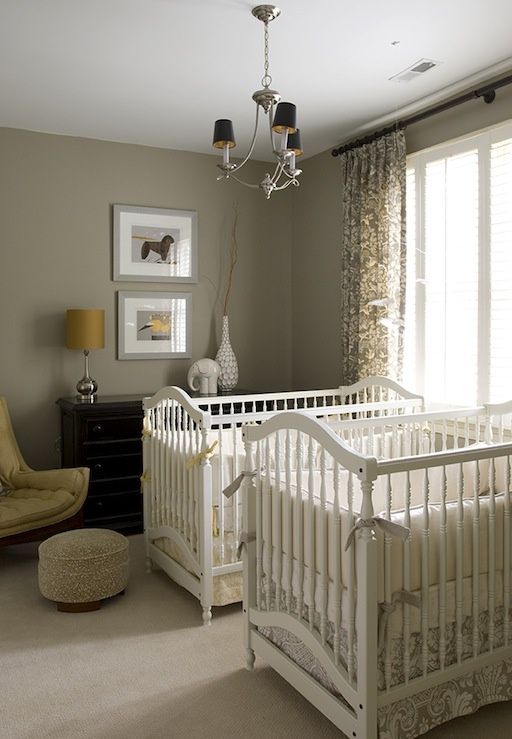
143 667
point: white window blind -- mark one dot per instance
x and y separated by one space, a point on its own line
409 362
459 270
500 365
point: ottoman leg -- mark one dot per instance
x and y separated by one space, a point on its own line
93 605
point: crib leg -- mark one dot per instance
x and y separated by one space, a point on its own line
207 615
249 659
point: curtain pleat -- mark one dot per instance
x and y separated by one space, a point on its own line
373 258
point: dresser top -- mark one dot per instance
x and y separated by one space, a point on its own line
105 402
102 401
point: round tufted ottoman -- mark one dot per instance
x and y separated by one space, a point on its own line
78 569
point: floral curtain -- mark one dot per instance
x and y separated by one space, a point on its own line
373 258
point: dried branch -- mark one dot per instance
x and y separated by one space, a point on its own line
233 257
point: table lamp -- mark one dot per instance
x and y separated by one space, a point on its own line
85 329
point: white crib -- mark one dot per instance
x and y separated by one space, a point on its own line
193 450
393 623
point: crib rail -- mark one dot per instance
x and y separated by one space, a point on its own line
377 388
414 433
239 411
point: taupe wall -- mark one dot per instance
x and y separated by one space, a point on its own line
316 275
316 239
56 195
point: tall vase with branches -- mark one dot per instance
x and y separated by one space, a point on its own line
225 357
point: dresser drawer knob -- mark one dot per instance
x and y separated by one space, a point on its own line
97 428
98 467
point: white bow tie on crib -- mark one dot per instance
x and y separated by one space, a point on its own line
235 485
389 527
386 609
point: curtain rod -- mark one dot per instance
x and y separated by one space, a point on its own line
488 93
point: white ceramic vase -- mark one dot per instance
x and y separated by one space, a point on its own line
226 360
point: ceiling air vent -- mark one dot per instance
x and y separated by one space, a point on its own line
416 70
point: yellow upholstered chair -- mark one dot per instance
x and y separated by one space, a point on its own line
35 504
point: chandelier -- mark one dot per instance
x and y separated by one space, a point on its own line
284 134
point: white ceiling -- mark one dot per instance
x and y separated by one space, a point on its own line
159 72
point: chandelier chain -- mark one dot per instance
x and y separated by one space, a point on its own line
266 79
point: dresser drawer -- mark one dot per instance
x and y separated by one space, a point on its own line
103 428
110 506
117 485
123 465
92 450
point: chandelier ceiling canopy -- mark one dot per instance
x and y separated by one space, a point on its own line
284 134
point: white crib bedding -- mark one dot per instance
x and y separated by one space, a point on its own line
417 513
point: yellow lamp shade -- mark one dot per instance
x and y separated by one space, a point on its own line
85 328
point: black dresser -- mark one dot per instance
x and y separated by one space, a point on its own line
106 437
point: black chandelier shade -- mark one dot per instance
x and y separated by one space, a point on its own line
285 118
223 134
294 143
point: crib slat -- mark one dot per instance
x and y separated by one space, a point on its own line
351 584
155 470
387 582
151 481
323 544
491 552
407 580
235 500
182 469
195 517
310 528
442 574
425 573
289 528
506 553
190 480
174 470
459 594
337 566
185 473
267 525
444 435
259 531
222 524
299 527
476 557
161 463
278 521
168 461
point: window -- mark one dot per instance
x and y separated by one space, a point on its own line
458 324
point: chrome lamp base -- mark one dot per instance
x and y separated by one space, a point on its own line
86 387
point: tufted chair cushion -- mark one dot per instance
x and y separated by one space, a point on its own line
34 499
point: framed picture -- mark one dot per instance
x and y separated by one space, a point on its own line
154 325
155 244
